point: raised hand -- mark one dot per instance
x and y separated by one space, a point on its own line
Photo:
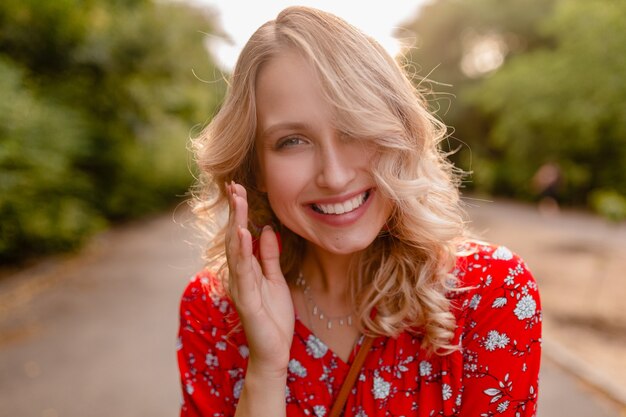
259 290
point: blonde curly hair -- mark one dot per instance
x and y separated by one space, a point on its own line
405 273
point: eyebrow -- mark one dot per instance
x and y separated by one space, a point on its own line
284 126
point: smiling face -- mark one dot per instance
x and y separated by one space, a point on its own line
319 183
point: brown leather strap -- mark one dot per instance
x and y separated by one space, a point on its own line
348 383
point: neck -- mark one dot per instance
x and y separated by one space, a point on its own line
327 273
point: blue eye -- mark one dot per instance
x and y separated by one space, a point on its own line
289 141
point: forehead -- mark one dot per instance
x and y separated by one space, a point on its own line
288 90
285 66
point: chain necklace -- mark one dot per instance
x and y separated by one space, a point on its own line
316 311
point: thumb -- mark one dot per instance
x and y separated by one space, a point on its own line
270 254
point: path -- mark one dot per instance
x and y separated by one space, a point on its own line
95 336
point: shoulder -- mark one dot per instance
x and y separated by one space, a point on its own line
203 286
205 301
493 280
211 351
481 264
498 328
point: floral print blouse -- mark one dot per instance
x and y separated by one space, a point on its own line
493 374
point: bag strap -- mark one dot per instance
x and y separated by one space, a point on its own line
348 383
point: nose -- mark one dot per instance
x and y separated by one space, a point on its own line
336 165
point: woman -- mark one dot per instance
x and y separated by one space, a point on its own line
344 221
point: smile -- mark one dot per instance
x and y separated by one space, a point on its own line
344 207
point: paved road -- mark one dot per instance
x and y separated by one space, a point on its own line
579 262
100 342
95 336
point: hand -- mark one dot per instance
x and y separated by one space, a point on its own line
259 290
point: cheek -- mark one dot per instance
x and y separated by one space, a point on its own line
284 175
283 186
285 190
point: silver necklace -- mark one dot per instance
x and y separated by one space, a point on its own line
316 311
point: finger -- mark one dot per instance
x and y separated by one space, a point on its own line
228 193
239 190
270 255
232 240
241 210
236 214
232 258
229 230
245 276
236 240
228 196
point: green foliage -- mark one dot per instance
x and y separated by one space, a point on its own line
557 96
99 99
40 192
447 30
610 204
565 103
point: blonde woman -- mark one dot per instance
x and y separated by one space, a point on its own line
345 235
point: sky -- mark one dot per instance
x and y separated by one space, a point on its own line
239 19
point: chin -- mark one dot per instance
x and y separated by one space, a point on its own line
347 247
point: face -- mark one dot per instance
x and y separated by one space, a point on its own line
319 182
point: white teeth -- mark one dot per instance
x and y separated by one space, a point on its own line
341 208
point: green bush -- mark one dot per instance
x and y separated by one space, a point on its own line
609 203
547 105
557 97
99 99
40 191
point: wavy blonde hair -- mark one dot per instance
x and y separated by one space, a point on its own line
405 273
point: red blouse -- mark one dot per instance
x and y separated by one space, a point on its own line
494 374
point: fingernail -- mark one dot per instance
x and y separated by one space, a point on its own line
267 227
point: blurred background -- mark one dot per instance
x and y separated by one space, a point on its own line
98 100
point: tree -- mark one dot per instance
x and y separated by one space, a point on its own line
459 43
565 103
533 81
41 207
99 100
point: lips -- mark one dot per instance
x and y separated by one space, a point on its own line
342 207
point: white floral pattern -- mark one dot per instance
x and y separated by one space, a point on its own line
425 368
237 388
315 347
211 360
499 302
502 253
495 340
493 374
319 410
526 308
381 388
296 368
502 407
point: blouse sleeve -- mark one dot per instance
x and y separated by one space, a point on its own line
502 338
211 366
